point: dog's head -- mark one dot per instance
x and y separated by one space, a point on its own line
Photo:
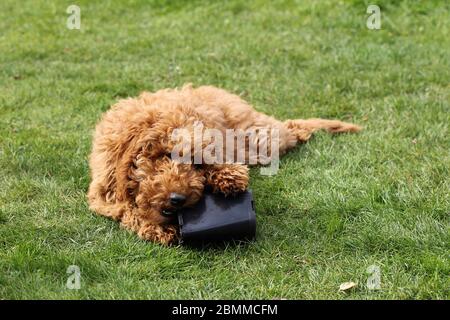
148 175
163 186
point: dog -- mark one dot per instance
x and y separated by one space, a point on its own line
134 179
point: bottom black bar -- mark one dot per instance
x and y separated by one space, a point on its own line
222 309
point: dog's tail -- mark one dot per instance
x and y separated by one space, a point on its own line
303 129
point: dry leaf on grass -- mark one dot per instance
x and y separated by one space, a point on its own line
347 286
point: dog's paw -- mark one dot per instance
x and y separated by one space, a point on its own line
228 179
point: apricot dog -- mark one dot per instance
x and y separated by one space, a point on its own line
134 179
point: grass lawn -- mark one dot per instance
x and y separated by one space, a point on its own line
338 204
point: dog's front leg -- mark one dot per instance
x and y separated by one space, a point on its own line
227 178
148 230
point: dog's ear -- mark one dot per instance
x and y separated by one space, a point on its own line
144 145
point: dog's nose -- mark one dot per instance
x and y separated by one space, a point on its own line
177 199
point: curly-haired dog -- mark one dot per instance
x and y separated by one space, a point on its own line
134 179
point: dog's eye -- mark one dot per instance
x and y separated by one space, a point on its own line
169 155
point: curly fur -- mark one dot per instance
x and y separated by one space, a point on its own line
131 169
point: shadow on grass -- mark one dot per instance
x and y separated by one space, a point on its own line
217 246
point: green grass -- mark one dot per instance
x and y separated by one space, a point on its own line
337 205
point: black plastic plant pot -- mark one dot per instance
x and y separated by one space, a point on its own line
217 218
